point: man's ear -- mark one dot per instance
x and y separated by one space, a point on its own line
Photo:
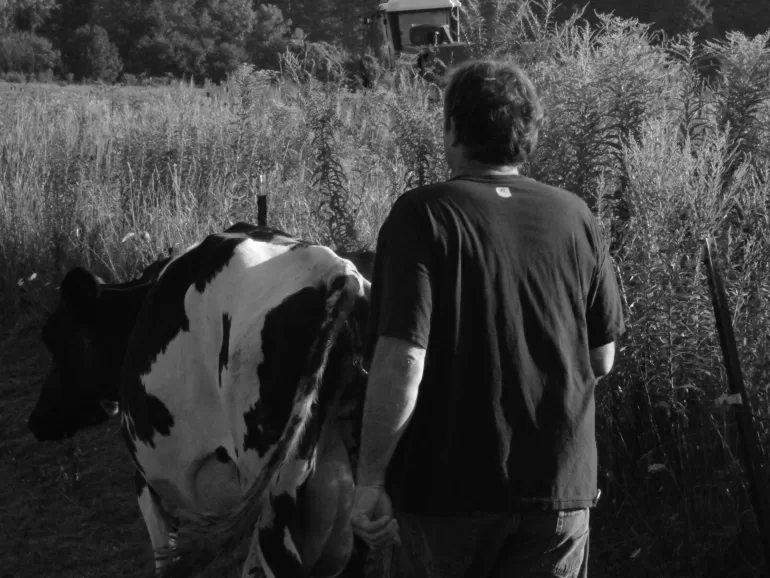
79 291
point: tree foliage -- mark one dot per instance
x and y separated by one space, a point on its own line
269 36
208 38
27 53
91 55
671 16
25 15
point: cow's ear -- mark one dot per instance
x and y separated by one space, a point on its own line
79 290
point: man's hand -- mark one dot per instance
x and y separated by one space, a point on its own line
372 517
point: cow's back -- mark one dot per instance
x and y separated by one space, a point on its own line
216 357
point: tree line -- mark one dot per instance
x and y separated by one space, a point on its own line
198 39
104 39
711 19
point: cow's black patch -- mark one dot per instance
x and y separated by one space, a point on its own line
316 356
151 273
128 438
140 482
363 260
266 234
216 260
339 283
149 416
289 331
272 539
224 351
222 455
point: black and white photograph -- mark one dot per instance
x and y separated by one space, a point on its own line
385 289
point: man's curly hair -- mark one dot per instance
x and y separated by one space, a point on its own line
496 111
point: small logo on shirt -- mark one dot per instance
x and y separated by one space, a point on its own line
504 192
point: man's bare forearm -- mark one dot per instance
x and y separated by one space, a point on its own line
391 396
602 359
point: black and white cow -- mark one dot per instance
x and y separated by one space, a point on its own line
240 357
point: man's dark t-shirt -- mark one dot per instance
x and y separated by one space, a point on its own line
507 283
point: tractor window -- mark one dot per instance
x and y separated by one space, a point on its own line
425 19
422 34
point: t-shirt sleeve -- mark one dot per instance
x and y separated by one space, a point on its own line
401 285
604 315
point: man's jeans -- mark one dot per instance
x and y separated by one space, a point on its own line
522 545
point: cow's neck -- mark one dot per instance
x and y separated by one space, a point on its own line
127 301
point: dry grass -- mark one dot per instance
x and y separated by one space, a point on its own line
80 173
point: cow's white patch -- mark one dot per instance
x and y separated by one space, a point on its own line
504 192
288 543
158 527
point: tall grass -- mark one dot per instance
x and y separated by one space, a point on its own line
113 178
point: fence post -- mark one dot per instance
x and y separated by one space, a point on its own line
261 204
751 453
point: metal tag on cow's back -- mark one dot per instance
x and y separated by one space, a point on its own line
504 192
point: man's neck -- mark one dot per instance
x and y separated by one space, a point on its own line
476 169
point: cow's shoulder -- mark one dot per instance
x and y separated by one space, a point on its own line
164 313
164 316
160 320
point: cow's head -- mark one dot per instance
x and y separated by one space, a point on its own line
86 337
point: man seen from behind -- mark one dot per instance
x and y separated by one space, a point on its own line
495 310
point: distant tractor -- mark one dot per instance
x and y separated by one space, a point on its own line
427 29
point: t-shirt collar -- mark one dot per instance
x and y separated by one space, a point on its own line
486 176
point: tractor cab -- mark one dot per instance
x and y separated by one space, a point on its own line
426 28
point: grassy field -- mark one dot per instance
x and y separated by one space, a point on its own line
111 177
